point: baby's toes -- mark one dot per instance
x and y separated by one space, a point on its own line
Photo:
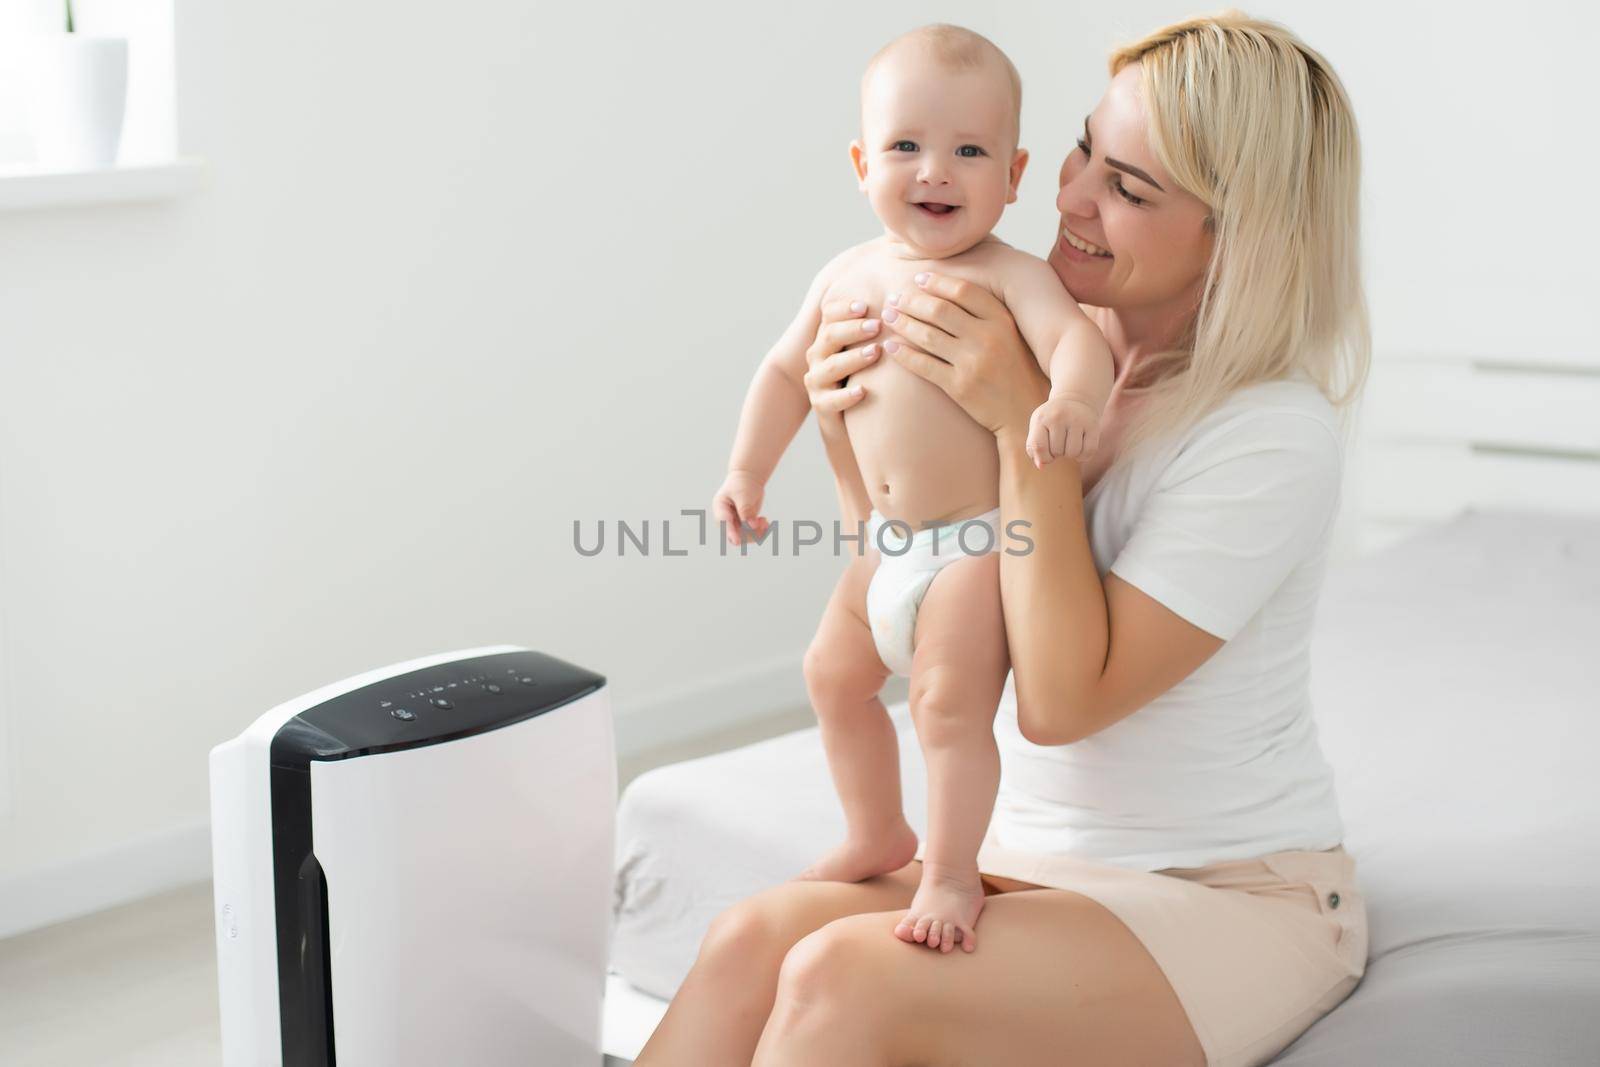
956 935
921 933
905 929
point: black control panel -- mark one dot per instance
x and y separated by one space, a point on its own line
434 704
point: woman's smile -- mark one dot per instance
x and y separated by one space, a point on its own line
1079 250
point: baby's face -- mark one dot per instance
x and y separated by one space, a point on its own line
937 157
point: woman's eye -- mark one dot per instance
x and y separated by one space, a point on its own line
1084 145
969 150
905 146
1129 197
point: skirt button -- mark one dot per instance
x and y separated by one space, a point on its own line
1333 900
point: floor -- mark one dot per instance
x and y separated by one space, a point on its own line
136 986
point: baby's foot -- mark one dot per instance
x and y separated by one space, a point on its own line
945 909
863 857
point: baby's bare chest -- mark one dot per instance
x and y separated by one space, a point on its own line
905 431
872 277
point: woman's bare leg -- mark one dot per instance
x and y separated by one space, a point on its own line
1060 980
718 1012
844 677
958 669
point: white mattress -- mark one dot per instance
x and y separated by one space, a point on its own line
1456 679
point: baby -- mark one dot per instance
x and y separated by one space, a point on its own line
938 160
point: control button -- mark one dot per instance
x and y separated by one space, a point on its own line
1333 900
441 702
491 687
403 715
527 680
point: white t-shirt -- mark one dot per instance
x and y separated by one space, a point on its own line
1228 526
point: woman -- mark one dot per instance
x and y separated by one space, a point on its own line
1164 877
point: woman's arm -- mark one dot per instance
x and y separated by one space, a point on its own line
1084 652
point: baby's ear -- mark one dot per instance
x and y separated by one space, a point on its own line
858 162
1019 163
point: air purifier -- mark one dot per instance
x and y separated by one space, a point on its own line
414 867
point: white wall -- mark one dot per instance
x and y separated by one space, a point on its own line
464 274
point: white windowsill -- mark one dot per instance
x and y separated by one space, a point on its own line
22 189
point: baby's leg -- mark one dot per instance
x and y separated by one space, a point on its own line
958 669
844 676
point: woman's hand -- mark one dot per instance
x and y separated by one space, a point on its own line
960 336
831 360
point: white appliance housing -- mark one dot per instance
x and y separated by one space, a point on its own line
414 867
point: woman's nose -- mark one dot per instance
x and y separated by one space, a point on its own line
1075 197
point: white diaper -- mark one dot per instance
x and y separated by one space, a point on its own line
907 569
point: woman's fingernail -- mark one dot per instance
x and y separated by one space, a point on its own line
890 314
855 390
870 351
869 325
894 298
858 306
891 346
921 279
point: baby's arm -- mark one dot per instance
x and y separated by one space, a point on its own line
775 406
1070 348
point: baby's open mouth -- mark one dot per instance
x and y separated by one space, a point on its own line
930 208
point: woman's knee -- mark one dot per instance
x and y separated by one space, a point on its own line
752 935
842 964
742 932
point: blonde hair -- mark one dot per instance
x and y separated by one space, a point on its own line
955 48
1249 119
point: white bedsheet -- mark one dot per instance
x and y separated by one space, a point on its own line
697 836
1456 679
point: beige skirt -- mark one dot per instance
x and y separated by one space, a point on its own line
1256 949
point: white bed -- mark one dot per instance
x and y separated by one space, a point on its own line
1456 680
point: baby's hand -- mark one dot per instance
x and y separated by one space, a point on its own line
1062 426
739 502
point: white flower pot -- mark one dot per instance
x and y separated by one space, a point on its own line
77 88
